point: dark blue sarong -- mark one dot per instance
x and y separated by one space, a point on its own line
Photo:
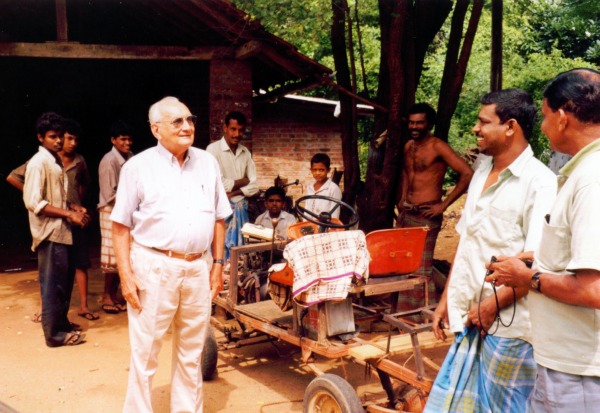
233 234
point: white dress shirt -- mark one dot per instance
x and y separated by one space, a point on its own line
168 206
504 220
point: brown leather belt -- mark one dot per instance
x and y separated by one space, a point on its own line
188 256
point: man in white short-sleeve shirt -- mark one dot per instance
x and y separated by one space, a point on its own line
564 298
509 195
168 225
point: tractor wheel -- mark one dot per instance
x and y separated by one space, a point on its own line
209 356
329 393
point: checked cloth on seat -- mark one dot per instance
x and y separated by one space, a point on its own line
325 264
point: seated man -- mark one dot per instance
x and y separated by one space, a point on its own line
274 200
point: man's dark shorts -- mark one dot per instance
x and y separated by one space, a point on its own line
80 256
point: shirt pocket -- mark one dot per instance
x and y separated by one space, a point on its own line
205 199
502 228
555 248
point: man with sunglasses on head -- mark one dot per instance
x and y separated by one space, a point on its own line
239 175
490 366
168 232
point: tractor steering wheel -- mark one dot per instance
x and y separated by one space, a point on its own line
324 218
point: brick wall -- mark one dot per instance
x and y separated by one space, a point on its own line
230 90
286 135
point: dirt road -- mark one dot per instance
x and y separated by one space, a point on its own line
92 377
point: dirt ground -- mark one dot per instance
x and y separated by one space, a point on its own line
92 377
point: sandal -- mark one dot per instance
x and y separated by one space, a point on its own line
110 308
88 315
73 338
37 317
121 306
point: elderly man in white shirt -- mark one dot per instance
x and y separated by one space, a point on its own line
509 195
168 225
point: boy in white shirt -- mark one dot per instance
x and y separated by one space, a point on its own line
320 167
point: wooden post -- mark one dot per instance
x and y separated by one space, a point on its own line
62 28
496 69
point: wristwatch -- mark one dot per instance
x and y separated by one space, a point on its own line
535 284
219 261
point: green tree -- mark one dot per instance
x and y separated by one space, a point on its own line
541 39
570 26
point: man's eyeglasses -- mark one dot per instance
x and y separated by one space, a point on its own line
177 123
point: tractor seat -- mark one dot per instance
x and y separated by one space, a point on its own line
396 251
395 256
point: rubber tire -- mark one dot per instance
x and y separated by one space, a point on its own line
210 355
332 390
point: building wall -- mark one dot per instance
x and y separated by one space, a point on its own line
284 138
230 90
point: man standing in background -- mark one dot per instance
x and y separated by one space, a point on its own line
108 174
239 175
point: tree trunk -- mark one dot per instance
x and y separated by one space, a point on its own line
407 29
377 200
496 69
347 104
456 65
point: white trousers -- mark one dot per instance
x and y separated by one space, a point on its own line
177 292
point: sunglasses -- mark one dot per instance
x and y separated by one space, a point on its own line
177 123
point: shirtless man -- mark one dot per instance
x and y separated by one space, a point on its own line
426 159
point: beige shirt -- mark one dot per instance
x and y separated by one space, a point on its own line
504 220
108 174
46 184
235 166
566 337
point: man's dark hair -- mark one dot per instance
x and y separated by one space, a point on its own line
321 158
72 127
275 190
49 121
425 108
237 116
120 128
513 104
576 91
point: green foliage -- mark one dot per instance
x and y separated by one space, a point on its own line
541 39
305 23
570 26
522 68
